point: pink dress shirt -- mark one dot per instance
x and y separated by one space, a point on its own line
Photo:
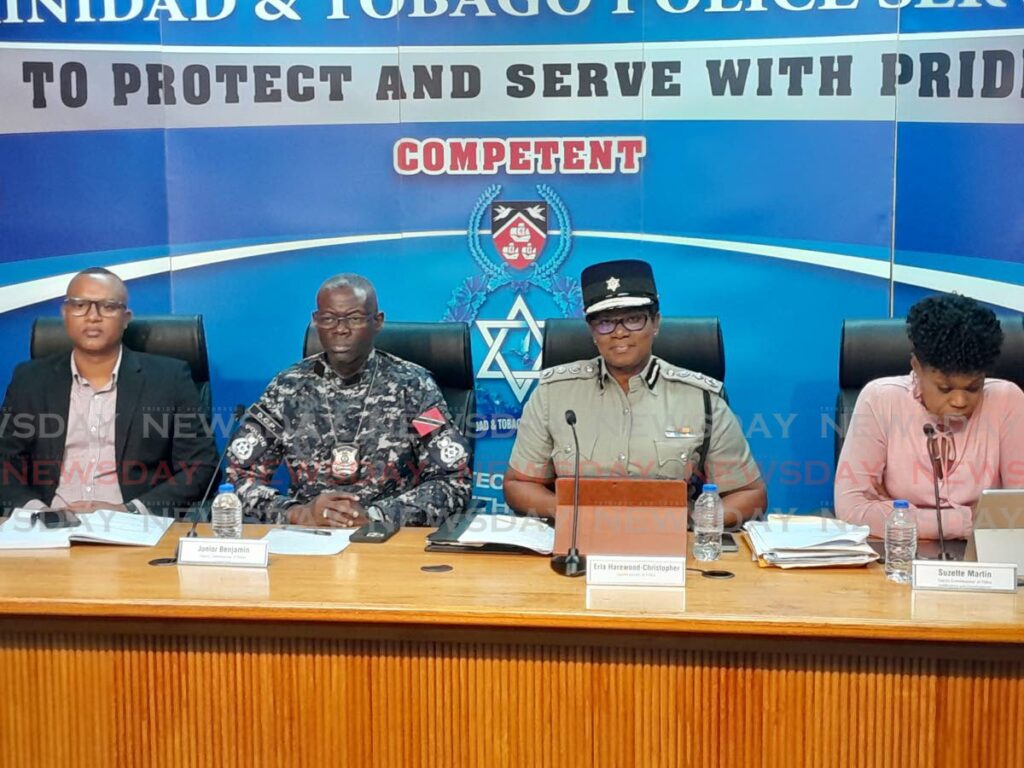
886 442
89 469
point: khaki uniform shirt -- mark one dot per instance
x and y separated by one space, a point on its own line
654 431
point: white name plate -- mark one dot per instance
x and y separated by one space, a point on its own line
964 576
633 571
246 553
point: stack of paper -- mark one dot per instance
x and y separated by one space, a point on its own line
795 541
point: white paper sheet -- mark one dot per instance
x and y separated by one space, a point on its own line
284 541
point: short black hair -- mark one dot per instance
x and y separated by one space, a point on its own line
356 283
954 334
99 272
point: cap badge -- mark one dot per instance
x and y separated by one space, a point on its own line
613 283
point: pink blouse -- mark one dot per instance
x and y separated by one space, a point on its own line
886 442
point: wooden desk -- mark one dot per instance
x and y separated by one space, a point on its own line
363 659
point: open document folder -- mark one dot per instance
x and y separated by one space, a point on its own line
493 533
101 527
798 541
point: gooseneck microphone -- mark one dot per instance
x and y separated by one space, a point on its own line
571 563
236 417
937 473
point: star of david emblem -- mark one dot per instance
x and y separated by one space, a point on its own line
613 283
495 333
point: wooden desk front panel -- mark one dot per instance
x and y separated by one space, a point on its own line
364 660
81 694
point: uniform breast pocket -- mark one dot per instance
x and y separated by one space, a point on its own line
677 456
563 456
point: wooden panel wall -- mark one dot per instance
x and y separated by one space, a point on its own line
138 700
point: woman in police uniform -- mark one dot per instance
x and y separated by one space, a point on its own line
637 416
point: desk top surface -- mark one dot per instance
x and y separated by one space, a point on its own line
384 584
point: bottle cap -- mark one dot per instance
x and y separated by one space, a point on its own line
226 488
900 504
710 488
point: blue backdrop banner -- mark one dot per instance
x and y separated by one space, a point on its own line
783 165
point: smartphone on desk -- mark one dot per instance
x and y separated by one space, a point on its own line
374 532
56 518
729 543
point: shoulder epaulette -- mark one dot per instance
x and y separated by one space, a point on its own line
581 369
693 378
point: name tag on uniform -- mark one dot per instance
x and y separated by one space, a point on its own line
681 432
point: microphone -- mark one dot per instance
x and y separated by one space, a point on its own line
236 417
572 563
937 473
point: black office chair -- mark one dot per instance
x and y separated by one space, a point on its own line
689 342
178 336
441 348
871 349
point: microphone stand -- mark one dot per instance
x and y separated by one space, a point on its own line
572 563
236 416
936 459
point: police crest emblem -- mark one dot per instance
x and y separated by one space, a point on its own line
345 462
533 239
452 453
245 446
519 231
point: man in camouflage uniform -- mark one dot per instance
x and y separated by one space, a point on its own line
366 435
638 416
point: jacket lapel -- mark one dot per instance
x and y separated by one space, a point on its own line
57 395
130 379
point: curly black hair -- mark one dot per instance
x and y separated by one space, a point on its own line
954 334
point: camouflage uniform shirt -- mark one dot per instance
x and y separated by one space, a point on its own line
413 463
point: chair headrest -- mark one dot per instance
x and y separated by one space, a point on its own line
441 348
871 349
177 336
689 342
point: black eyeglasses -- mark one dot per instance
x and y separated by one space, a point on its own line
605 325
327 321
82 307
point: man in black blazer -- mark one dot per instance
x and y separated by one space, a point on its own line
103 427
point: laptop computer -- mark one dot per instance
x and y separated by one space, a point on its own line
999 528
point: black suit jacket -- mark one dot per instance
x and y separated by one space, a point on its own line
163 442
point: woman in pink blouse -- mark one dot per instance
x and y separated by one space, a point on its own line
978 423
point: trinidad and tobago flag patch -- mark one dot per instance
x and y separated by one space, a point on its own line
429 421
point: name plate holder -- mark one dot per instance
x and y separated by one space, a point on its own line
944 575
636 571
240 553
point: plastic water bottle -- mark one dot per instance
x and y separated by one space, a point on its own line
900 542
708 521
227 513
